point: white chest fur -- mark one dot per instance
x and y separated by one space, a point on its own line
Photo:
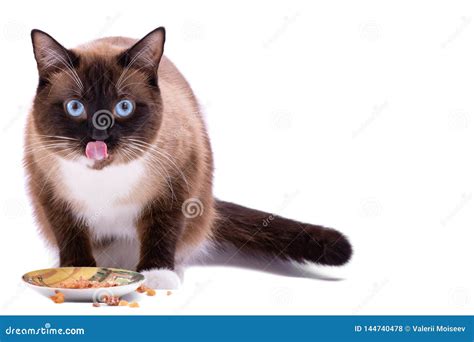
99 197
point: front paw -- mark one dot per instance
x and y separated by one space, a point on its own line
161 279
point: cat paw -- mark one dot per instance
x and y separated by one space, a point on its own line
161 279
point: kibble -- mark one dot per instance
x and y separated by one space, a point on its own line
111 300
58 297
123 303
150 292
142 289
82 283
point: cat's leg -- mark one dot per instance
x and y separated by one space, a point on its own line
71 235
117 252
162 279
159 230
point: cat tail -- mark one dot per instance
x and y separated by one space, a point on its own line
258 232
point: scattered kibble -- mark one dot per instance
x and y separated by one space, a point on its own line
123 303
142 289
111 300
150 292
169 293
58 297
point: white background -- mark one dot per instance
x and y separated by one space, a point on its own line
355 115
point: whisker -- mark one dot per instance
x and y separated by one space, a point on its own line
157 167
54 168
163 154
70 150
52 136
129 65
67 64
41 147
122 78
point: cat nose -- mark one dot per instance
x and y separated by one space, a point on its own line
100 124
98 134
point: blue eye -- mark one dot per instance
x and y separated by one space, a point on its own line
124 108
74 108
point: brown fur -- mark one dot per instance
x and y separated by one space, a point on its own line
167 118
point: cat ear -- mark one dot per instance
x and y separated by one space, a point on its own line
50 55
146 53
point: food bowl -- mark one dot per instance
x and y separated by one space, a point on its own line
84 284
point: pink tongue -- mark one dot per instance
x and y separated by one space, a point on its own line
96 150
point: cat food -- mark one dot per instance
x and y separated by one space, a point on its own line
81 283
116 301
169 293
58 297
111 300
85 284
123 303
150 292
142 289
147 290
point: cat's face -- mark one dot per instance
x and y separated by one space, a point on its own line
101 102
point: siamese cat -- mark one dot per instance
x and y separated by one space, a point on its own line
120 167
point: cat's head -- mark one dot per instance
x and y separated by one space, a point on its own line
100 101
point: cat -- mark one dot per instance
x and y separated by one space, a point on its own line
119 167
